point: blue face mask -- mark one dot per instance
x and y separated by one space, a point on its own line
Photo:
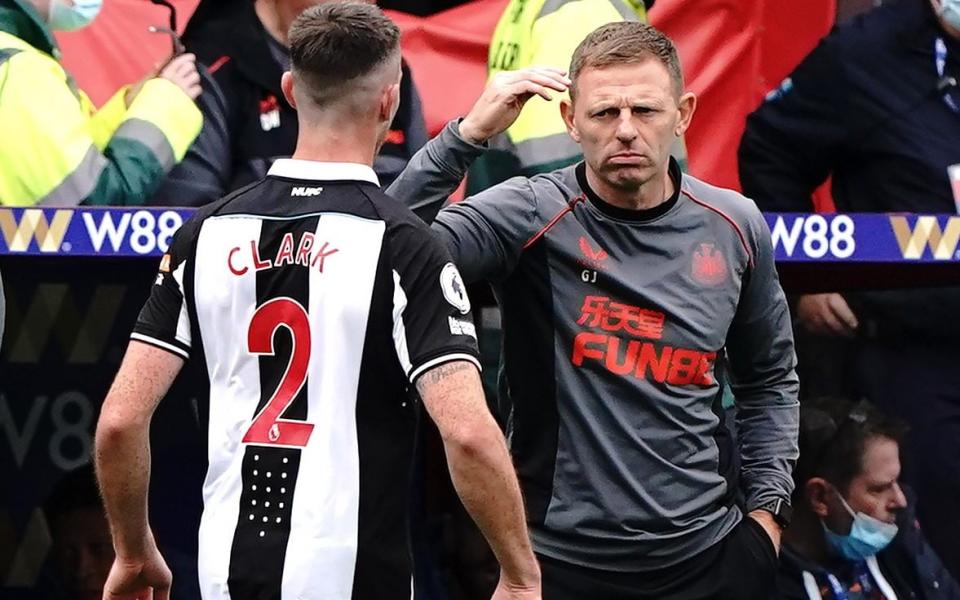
64 17
950 12
867 536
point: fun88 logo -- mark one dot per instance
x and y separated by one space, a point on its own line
132 232
815 236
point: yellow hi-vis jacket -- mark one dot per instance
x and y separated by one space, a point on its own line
542 33
57 149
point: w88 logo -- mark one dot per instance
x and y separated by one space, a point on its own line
818 236
140 232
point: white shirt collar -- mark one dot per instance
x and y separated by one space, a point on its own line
312 170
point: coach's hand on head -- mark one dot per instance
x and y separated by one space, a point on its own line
500 103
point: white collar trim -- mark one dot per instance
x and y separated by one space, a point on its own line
322 171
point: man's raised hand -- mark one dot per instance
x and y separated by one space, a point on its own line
500 103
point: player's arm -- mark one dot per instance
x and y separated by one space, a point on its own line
122 455
437 169
764 381
436 345
481 470
161 342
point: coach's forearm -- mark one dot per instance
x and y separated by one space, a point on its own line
767 426
434 172
484 478
122 454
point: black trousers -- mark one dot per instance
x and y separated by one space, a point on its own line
743 566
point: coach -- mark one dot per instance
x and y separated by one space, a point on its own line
624 287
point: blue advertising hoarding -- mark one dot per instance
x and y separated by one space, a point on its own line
797 237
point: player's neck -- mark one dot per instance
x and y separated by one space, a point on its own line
332 153
329 144
651 194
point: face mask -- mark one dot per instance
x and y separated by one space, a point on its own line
64 17
950 12
867 536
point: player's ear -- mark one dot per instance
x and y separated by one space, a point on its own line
286 86
566 112
390 102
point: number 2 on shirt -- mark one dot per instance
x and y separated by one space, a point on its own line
267 427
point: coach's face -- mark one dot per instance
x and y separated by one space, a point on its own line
626 118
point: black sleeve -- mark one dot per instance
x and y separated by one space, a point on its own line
164 321
205 171
792 142
432 322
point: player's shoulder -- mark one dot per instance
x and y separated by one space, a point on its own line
729 205
190 230
391 211
401 226
236 201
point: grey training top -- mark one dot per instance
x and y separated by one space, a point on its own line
615 326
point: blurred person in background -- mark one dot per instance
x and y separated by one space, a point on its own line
57 149
847 9
543 33
247 122
854 533
876 106
81 547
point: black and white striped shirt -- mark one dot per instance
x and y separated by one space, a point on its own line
313 300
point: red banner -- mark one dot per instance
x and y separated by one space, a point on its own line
733 52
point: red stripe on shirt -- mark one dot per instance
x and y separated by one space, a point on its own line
555 220
743 238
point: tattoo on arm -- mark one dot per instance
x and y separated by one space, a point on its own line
439 375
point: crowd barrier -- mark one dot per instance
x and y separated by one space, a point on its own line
75 280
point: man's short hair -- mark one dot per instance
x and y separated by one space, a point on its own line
624 43
834 433
335 43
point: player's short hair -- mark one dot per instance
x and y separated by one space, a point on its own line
335 43
834 433
623 43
